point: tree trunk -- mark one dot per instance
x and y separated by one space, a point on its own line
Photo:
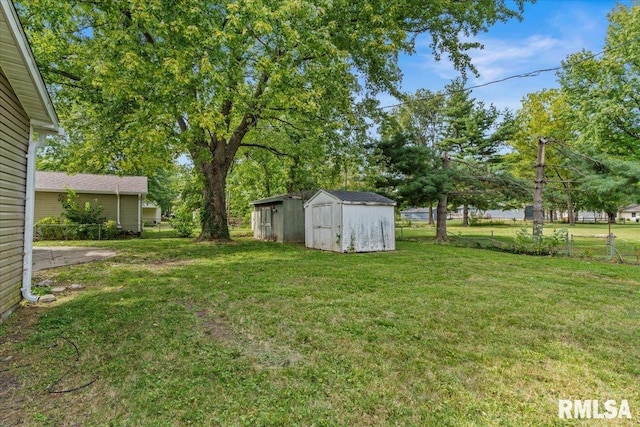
465 215
567 191
431 221
538 208
213 217
441 220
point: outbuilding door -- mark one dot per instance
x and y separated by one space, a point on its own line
266 223
322 226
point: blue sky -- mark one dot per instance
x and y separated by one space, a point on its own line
551 30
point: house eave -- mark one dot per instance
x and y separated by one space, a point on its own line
62 190
19 66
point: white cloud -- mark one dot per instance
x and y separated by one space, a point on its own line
503 58
550 32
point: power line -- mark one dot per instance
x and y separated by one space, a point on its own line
533 73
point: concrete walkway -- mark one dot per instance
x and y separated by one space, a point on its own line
59 256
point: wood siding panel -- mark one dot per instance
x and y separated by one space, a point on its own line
14 140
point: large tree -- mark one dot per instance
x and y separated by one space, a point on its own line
603 94
445 149
201 77
604 91
547 114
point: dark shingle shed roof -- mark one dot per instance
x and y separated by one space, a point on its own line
361 197
300 195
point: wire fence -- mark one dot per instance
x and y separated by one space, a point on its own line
620 245
601 247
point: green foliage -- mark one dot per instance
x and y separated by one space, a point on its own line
411 173
49 228
145 82
600 88
110 230
82 220
182 221
604 116
525 242
443 148
80 213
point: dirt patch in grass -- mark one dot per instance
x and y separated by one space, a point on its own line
215 326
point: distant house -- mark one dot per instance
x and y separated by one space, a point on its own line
630 213
416 214
279 218
151 213
26 116
350 221
502 214
121 197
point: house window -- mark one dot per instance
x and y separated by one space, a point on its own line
633 214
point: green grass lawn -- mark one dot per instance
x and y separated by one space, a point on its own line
172 332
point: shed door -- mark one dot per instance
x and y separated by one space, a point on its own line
266 223
321 220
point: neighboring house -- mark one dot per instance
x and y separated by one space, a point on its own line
26 113
494 213
592 216
121 197
630 213
279 218
416 214
151 213
350 221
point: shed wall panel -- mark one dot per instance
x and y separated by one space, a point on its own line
293 220
338 224
368 228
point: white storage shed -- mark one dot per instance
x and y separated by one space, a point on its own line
349 221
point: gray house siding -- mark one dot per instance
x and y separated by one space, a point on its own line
14 140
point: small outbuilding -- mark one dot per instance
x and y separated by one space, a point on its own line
279 218
350 221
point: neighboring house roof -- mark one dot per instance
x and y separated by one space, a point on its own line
18 64
365 197
87 183
631 208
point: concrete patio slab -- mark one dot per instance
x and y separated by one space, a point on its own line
60 256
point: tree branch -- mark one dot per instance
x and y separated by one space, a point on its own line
62 73
270 149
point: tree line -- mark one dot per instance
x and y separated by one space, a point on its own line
266 98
